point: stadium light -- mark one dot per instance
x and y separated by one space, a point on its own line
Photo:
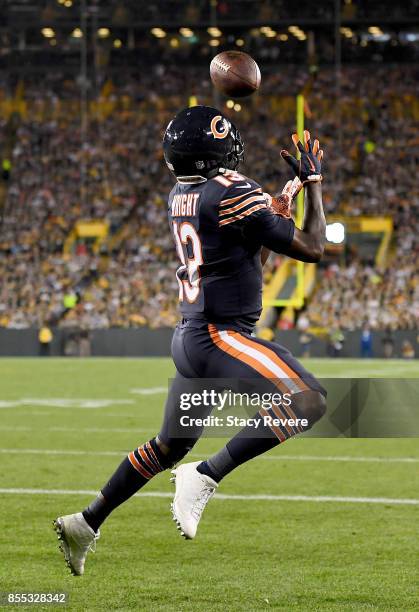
237 107
268 31
347 32
68 3
214 32
377 34
103 32
48 32
382 37
297 32
158 33
283 37
117 43
173 42
375 31
230 103
214 42
186 32
335 233
77 33
240 42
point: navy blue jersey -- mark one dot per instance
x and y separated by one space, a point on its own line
219 227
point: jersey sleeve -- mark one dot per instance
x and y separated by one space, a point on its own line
270 230
245 207
241 200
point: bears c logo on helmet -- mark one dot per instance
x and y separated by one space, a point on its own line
224 124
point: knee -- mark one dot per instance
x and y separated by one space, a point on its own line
310 405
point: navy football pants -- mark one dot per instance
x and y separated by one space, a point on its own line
213 352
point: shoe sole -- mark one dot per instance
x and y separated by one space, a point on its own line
63 546
174 517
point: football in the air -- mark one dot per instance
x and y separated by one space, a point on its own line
235 73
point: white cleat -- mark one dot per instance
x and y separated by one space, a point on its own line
77 538
193 492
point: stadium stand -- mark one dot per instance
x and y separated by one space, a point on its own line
115 172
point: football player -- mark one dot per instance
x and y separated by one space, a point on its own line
223 227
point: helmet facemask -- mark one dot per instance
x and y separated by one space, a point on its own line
236 156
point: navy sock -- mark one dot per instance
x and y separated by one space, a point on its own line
131 475
204 468
236 452
218 465
246 445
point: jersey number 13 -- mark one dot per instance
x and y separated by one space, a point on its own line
191 259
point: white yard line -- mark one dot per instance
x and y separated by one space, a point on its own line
149 390
342 458
69 414
78 429
313 458
221 496
41 451
131 430
65 402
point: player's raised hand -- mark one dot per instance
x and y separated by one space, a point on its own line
281 204
309 167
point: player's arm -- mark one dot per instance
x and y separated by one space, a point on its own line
247 209
281 205
277 232
308 243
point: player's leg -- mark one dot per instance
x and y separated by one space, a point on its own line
148 460
308 406
240 356
180 439
79 531
273 362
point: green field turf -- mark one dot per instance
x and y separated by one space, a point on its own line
65 424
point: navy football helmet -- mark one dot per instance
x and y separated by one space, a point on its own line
199 141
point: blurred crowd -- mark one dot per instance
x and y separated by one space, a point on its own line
111 167
356 295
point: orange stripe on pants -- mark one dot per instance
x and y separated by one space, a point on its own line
253 363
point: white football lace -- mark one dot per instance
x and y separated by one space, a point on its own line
92 545
205 495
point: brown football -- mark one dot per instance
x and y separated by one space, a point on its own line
235 73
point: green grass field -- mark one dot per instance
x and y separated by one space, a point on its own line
64 426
